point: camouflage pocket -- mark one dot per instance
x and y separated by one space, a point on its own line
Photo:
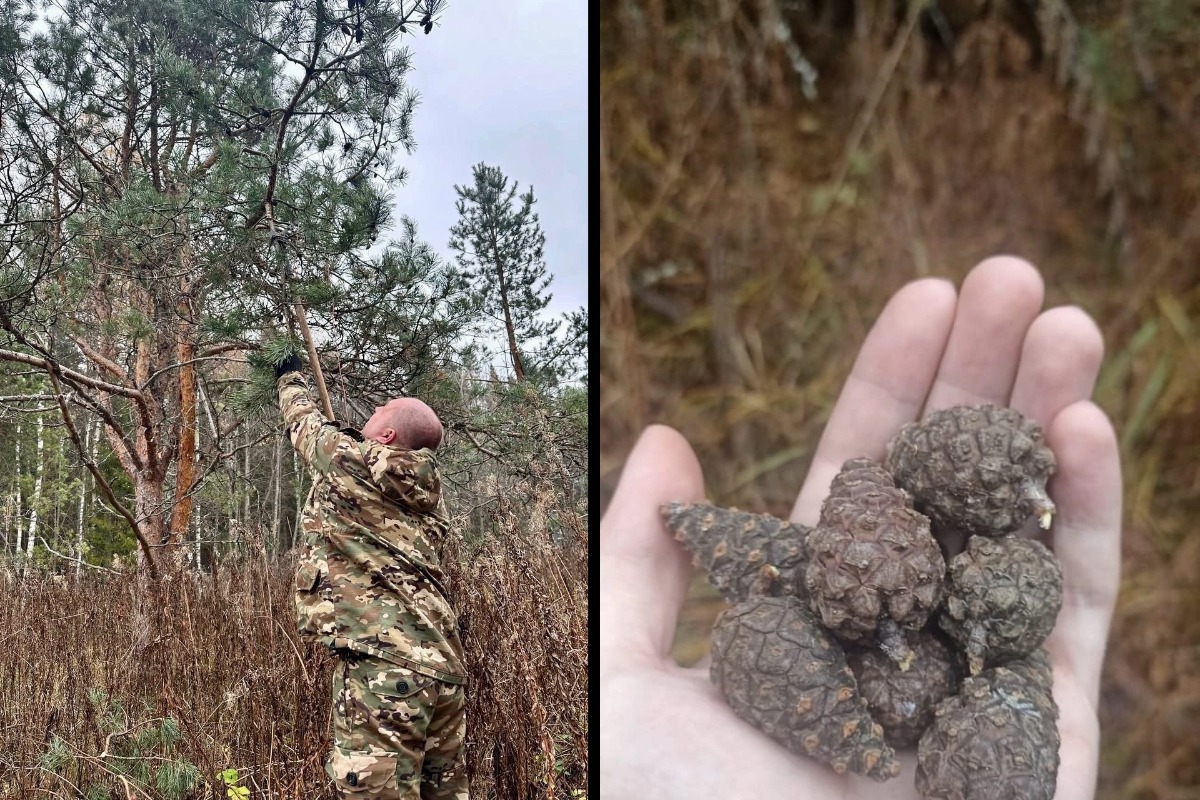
389 681
308 576
362 774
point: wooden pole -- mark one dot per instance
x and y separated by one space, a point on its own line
302 322
298 310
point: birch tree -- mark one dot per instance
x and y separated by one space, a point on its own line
39 473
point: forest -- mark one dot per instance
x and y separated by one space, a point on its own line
772 171
189 192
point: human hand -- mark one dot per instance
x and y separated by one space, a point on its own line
293 363
666 732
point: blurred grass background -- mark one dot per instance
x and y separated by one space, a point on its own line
772 171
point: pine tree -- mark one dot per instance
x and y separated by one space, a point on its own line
172 175
499 243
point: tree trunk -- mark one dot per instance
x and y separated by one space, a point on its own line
247 482
509 328
142 519
5 523
37 489
518 364
229 469
186 461
17 508
148 508
196 549
89 440
277 492
59 462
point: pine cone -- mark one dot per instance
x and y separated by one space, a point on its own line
1002 598
979 470
786 676
873 564
995 740
744 554
903 701
1034 668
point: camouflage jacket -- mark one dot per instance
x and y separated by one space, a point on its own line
369 577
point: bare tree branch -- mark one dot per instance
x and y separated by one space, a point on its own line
78 561
101 483
99 358
71 375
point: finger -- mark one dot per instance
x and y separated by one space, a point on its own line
999 299
643 572
886 388
1079 744
1086 538
1060 360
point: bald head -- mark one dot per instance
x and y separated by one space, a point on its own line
405 422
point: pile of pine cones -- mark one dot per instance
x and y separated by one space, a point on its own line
861 635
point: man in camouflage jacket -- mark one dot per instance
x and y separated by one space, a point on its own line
369 586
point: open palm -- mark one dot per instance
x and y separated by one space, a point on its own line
665 731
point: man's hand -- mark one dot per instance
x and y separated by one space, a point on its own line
666 732
292 363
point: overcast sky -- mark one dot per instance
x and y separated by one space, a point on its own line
505 83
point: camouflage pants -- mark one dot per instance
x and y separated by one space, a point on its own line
397 734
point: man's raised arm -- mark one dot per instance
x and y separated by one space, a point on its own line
313 436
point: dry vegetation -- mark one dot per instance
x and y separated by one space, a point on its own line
523 608
113 690
750 234
218 655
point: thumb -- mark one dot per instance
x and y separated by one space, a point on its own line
643 571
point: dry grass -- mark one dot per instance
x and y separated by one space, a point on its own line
522 602
749 236
218 656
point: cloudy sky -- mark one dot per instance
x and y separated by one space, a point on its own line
505 83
